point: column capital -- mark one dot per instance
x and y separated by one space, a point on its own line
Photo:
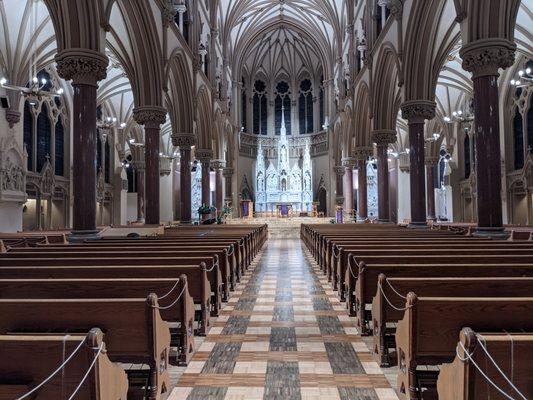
485 56
362 153
150 116
184 140
204 155
339 170
218 164
384 137
349 162
82 66
12 117
228 172
418 110
339 201
432 161
139 165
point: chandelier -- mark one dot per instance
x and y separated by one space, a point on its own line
525 78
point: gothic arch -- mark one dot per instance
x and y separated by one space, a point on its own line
179 95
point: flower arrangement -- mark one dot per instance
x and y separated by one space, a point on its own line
205 209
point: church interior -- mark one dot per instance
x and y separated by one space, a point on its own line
266 199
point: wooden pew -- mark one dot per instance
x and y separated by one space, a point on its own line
389 299
191 264
176 304
134 330
361 278
427 334
462 380
197 279
27 361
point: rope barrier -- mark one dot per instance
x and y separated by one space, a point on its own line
175 301
350 267
395 291
232 250
88 371
388 301
335 254
53 373
490 381
215 264
170 291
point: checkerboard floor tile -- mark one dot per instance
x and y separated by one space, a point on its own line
283 335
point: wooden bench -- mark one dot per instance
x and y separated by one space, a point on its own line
461 380
197 279
176 304
427 334
389 300
133 328
27 360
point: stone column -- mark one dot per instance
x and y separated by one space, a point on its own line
139 178
383 138
339 172
228 176
185 143
85 68
218 165
416 112
348 163
431 163
483 58
361 157
205 156
152 117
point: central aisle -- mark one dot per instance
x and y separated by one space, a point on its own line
283 335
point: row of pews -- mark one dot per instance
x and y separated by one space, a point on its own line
120 308
453 313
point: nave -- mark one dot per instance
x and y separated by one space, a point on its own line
284 334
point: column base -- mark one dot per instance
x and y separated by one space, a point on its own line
363 220
81 236
384 221
418 225
491 233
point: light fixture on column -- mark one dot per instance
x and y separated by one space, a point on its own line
459 116
434 138
525 78
107 124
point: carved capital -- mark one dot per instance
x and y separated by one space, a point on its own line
228 172
168 14
418 110
432 161
395 7
362 153
139 165
218 164
150 116
12 117
339 170
82 66
339 200
184 140
204 155
383 137
484 57
348 162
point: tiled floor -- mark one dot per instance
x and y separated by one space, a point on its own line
283 335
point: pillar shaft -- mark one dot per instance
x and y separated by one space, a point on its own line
348 189
219 189
151 157
339 186
362 198
140 194
431 164
382 139
418 178
206 192
185 184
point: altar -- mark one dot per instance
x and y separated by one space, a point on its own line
287 185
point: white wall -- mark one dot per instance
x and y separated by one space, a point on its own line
165 199
11 217
404 196
131 207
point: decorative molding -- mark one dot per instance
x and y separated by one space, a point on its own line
82 66
349 162
432 161
150 116
484 57
12 171
218 164
395 7
339 170
384 137
418 110
12 117
184 140
204 155
227 172
362 153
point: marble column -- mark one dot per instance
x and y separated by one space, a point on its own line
205 156
361 157
382 139
348 163
152 117
431 164
139 178
339 172
228 177
218 165
85 68
416 112
483 58
185 143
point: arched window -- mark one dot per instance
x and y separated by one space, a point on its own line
28 133
321 103
283 101
518 140
467 156
43 137
244 106
59 147
260 111
305 108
